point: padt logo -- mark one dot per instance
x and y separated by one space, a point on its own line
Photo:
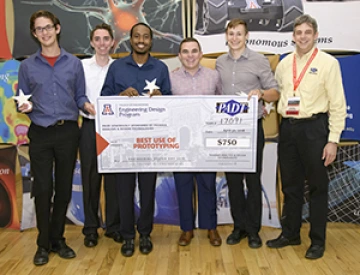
232 107
107 110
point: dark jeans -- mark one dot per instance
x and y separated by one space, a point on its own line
206 183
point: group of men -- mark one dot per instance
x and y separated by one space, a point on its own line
311 102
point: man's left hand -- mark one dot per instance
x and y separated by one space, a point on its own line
329 153
155 93
90 108
255 92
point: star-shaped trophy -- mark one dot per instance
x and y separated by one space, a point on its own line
269 107
23 99
151 86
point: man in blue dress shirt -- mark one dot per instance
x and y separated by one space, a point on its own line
126 77
55 81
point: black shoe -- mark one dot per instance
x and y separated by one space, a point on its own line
116 236
235 237
91 240
282 241
315 252
128 248
41 256
145 244
64 251
254 240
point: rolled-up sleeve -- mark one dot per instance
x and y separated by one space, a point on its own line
267 78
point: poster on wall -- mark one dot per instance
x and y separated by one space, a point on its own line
166 209
79 17
28 219
344 187
270 23
8 207
350 65
5 52
13 125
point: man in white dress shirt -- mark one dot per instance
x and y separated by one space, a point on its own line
95 69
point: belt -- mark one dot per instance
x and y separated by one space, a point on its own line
59 122
293 120
87 119
62 122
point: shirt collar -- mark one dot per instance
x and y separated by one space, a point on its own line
305 56
245 54
185 72
93 61
130 60
38 54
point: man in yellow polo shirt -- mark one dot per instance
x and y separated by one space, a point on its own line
312 104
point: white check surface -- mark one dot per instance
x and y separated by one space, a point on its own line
177 133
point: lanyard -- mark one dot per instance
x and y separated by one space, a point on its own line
301 76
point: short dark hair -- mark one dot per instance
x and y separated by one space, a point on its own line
141 24
189 39
46 14
236 22
305 18
102 26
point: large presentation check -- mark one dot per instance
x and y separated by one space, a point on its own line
176 133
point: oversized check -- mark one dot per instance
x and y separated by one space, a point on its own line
176 133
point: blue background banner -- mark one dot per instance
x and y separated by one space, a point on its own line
350 68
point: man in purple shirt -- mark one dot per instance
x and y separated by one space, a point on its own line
193 79
55 81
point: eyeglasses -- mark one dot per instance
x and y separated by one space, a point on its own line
47 28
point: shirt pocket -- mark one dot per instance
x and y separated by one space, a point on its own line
311 84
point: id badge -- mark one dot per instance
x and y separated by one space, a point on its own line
293 107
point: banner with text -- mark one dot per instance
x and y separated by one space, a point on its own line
270 23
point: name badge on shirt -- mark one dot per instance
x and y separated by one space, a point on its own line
293 107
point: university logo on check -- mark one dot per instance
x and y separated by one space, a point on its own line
232 107
107 110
